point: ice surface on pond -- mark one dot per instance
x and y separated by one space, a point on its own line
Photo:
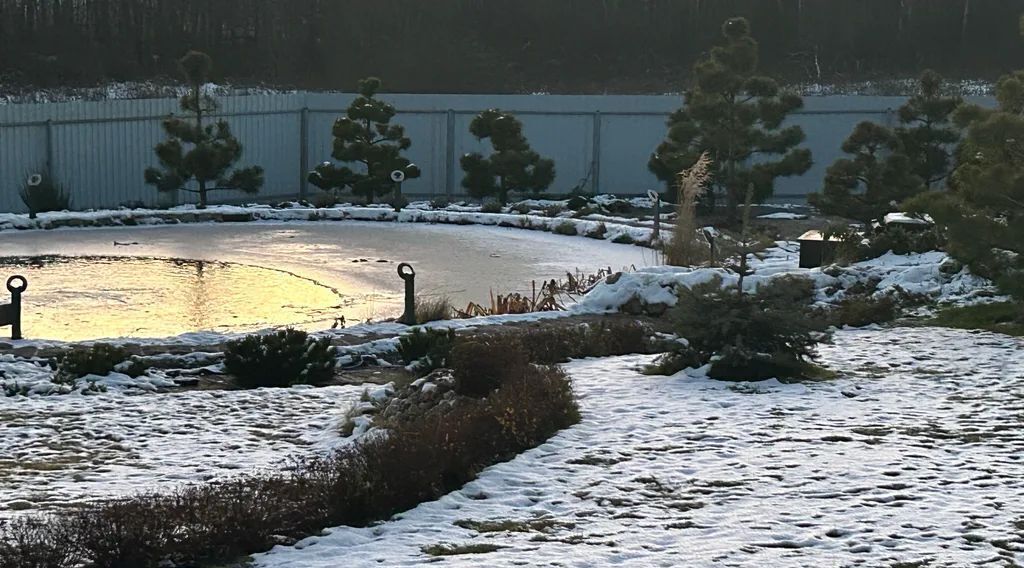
61 450
141 297
304 262
914 455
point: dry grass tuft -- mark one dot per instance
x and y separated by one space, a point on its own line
686 249
436 308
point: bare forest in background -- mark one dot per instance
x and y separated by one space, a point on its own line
487 46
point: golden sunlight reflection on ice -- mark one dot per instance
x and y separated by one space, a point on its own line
74 299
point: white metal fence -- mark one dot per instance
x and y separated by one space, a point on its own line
99 150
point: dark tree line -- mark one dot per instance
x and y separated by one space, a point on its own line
487 46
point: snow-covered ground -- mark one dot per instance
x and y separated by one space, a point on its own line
61 450
933 275
913 455
419 212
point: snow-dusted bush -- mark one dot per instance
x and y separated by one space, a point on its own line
325 199
429 349
567 228
903 241
751 336
555 209
280 359
99 359
557 344
398 202
859 311
481 366
598 232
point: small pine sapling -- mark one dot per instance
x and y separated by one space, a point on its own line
280 359
768 332
198 152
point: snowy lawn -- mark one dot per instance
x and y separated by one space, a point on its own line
914 455
60 450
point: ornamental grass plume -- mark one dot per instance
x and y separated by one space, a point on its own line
685 249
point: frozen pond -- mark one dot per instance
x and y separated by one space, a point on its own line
147 297
257 275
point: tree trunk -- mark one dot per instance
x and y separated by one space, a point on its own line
197 97
202 194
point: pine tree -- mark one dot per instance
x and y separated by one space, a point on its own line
927 132
365 136
871 182
889 165
513 166
984 212
735 116
198 152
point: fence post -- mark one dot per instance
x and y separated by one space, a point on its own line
449 156
595 164
303 152
49 148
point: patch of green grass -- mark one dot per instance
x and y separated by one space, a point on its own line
445 549
1002 317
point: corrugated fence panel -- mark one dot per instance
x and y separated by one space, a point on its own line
273 142
22 150
100 149
102 163
627 142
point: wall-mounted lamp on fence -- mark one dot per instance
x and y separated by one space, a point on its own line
10 314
